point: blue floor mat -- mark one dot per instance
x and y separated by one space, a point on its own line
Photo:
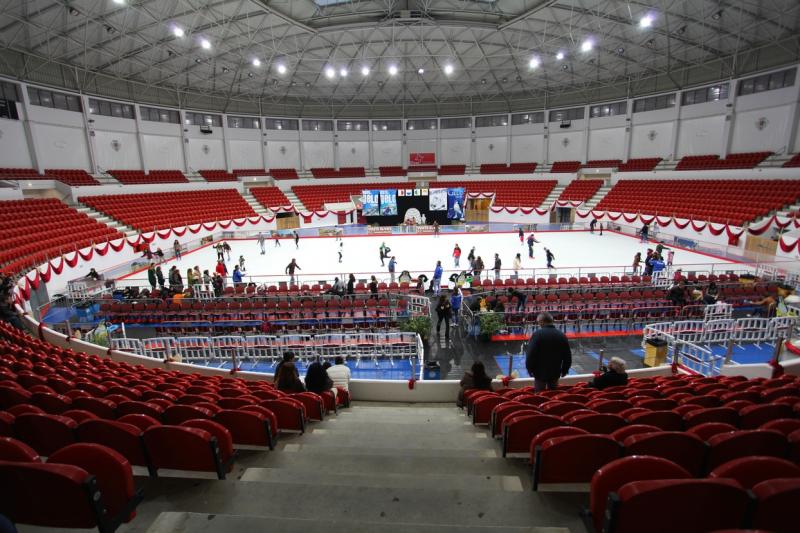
518 365
367 369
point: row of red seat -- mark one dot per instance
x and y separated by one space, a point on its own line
713 162
645 164
565 166
138 177
343 172
73 177
314 197
33 231
723 201
509 193
217 175
284 173
270 197
581 190
148 211
513 168
794 162
239 172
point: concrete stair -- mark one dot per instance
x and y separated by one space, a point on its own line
373 467
105 219
257 207
553 196
294 199
599 195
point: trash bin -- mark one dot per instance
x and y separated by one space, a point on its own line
655 352
432 371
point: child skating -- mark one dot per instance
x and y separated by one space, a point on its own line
550 257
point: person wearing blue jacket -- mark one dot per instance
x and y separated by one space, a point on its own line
437 277
236 276
455 303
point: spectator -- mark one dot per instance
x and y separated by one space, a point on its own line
614 375
478 268
175 279
159 254
548 356
198 277
160 277
206 278
475 378
444 311
637 260
93 274
520 296
373 286
290 268
677 294
437 277
517 265
497 265
392 268
317 380
8 313
340 374
218 284
190 280
287 380
765 307
337 288
351 285
236 276
288 357
221 270
455 303
151 276
176 246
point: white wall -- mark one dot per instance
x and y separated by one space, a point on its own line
571 150
164 152
763 129
491 150
353 153
208 153
245 153
607 143
61 146
701 136
283 151
527 148
387 153
454 151
14 151
124 157
317 154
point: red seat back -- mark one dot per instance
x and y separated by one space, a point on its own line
15 450
124 438
750 471
45 433
684 449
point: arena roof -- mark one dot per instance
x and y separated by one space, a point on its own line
389 58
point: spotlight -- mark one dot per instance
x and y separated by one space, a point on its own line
560 55
587 45
177 31
330 73
420 71
249 74
308 84
483 81
205 44
365 71
119 2
534 63
343 72
646 21
256 62
393 70
198 60
504 80
565 67
620 51
281 68
448 69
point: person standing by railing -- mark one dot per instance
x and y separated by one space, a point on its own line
444 312
497 266
290 268
392 267
548 356
437 278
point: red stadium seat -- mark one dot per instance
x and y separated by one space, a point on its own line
775 505
122 437
183 448
572 458
45 433
15 450
729 446
683 449
751 470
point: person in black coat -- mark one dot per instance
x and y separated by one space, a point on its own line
612 376
548 356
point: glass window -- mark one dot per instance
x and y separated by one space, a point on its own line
317 125
714 93
491 121
608 110
281 124
387 125
46 98
421 124
456 123
575 113
202 119
250 123
653 103
527 118
153 114
10 91
109 109
768 82
352 125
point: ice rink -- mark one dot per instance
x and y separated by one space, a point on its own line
318 256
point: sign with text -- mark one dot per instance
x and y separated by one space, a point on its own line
421 158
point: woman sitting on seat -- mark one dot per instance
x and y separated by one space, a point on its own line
613 376
287 381
475 378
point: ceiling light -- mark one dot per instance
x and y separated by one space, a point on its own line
330 73
119 2
256 62
225 69
448 69
534 62
343 72
249 74
281 68
393 70
620 50
565 67
560 55
420 71
73 11
587 45
205 44
198 60
504 80
646 21
365 71
308 84
483 81
717 15
177 31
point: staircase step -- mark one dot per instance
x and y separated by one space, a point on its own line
205 523
383 505
290 447
420 440
464 482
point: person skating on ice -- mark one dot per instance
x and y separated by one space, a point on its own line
521 236
435 228
456 255
277 239
227 248
296 239
550 257
241 263
471 258
531 240
261 242
290 268
592 225
392 268
341 249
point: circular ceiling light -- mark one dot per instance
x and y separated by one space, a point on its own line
587 45
256 62
449 69
281 68
393 70
365 70
330 73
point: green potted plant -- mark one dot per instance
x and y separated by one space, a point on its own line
418 324
491 323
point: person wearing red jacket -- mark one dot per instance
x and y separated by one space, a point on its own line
456 255
222 270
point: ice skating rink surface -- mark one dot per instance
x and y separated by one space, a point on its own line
318 256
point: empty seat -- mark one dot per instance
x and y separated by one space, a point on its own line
247 428
613 475
45 433
729 446
755 416
16 450
572 458
724 415
122 437
666 420
776 502
183 448
751 470
290 414
520 430
683 449
685 505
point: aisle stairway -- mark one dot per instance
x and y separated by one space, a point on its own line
257 207
105 219
294 199
552 197
378 467
594 200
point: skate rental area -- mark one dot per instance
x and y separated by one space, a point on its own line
451 266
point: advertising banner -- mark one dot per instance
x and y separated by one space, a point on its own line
388 202
421 158
370 203
437 200
455 203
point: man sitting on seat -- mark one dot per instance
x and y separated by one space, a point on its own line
340 373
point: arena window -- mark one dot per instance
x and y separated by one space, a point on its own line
317 125
421 124
250 123
574 113
387 125
352 125
456 123
652 103
714 93
202 119
527 118
608 110
491 121
9 91
767 82
281 124
154 114
55 100
110 109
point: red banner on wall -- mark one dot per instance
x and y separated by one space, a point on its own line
422 158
